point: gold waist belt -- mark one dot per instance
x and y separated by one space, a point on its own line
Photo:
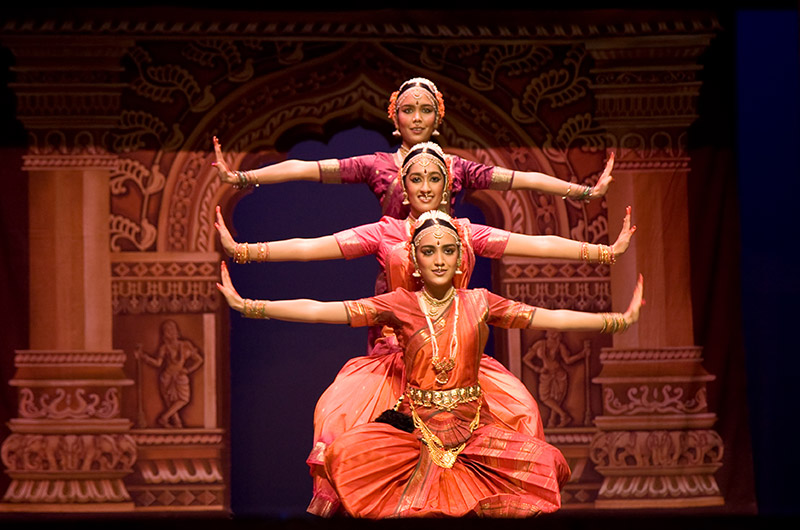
443 399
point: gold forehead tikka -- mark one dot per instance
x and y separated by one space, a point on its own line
425 160
417 93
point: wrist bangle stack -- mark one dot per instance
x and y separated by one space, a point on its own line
605 254
245 179
614 323
584 193
255 308
241 253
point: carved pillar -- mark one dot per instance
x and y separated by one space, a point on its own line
70 447
654 446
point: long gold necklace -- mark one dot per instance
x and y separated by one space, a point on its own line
443 367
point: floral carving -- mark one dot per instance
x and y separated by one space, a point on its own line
141 124
66 404
162 83
206 52
141 233
514 59
647 400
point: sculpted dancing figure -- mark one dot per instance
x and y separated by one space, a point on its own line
441 451
417 110
176 358
425 178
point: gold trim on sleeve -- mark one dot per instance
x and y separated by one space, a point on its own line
329 172
502 179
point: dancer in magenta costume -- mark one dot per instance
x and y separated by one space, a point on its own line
417 110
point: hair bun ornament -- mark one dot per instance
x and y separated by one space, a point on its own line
433 215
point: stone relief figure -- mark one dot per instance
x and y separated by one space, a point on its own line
548 357
176 358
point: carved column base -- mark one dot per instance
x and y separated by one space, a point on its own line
658 469
62 494
655 446
178 470
69 449
659 491
581 490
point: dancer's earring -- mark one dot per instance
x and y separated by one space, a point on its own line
435 133
395 133
416 273
444 198
405 198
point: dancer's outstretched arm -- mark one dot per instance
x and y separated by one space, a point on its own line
568 320
300 310
532 180
285 171
296 249
522 245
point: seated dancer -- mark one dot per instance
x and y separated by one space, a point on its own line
417 110
441 451
425 179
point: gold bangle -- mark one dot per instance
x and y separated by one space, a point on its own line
262 252
614 323
241 253
585 251
254 308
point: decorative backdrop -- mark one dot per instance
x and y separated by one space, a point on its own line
123 394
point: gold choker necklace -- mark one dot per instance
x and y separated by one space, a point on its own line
434 304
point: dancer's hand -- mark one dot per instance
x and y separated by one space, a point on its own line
624 239
605 179
225 174
228 290
637 301
228 243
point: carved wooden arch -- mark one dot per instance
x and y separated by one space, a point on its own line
362 99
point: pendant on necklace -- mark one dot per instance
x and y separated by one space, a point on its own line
443 369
